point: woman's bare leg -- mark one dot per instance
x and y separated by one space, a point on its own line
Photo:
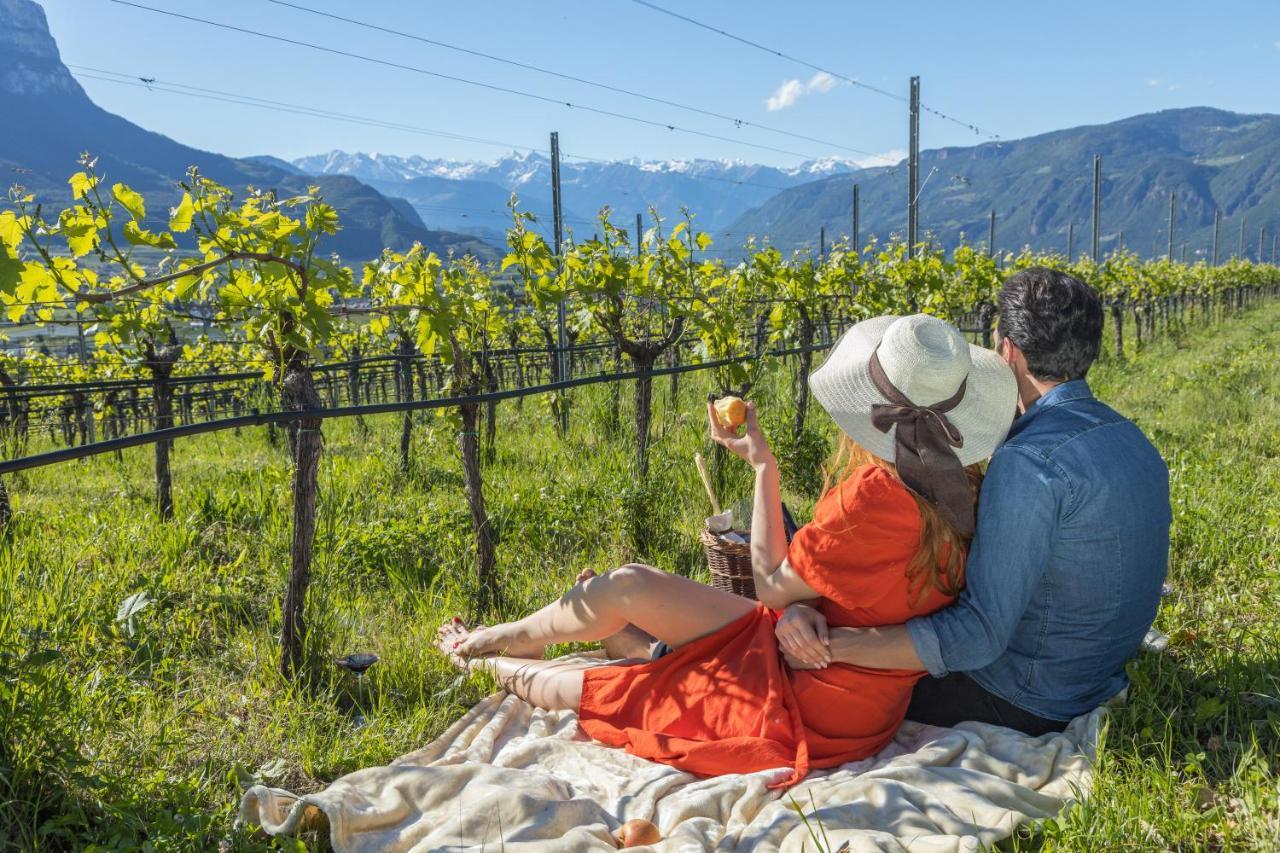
552 684
673 609
630 643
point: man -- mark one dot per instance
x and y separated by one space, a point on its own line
1065 569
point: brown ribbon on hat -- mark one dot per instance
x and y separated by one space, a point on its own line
924 449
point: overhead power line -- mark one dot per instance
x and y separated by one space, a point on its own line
813 66
154 84
738 122
466 81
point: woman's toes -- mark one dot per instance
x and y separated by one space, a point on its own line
450 637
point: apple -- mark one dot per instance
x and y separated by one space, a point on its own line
637 833
731 412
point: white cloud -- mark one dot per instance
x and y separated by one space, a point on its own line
822 82
1173 87
790 91
786 95
1153 82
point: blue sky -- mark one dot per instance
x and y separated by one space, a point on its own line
1012 68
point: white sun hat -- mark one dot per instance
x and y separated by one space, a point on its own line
927 360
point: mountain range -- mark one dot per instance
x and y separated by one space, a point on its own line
472 196
49 120
1039 186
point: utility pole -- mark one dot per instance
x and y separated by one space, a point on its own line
557 219
1097 204
857 249
822 243
991 239
913 169
1217 224
1240 251
639 233
1071 241
1173 201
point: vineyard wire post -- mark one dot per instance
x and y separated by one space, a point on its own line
298 394
1097 204
1071 241
1173 201
639 234
1262 242
1240 251
84 360
405 350
822 243
1217 225
557 219
913 168
1117 326
856 205
991 238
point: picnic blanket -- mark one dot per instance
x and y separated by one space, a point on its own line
514 777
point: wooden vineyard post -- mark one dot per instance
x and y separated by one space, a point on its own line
160 363
469 447
804 361
405 350
299 395
1117 326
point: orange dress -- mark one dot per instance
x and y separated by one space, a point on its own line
727 703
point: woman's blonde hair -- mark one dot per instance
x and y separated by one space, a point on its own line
939 559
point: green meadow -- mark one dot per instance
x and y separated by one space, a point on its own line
130 726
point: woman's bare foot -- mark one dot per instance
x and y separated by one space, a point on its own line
482 641
449 638
502 639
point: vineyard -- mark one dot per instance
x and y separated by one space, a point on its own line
337 458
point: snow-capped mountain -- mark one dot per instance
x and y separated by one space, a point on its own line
471 196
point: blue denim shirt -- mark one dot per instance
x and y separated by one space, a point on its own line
1064 574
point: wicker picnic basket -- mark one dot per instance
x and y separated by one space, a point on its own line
730 562
730 565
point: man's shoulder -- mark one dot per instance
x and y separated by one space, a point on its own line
1064 427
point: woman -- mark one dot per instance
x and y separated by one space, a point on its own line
920 409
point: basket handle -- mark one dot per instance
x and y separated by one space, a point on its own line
706 481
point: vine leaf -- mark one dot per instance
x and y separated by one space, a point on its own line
130 200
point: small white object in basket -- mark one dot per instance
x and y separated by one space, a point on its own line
720 522
735 537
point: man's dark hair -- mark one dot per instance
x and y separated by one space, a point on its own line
1055 319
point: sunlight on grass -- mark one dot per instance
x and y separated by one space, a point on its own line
119 736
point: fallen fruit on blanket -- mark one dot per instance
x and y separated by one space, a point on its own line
731 412
637 833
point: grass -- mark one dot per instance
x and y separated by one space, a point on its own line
116 735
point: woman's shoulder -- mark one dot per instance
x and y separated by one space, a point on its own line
875 485
869 494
